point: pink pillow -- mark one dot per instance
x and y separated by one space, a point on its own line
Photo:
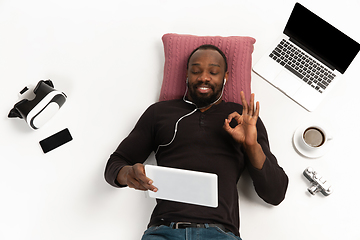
177 48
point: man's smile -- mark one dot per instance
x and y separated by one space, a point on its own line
204 89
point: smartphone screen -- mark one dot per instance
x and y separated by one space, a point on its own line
56 140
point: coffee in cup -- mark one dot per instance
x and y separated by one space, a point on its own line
314 137
312 140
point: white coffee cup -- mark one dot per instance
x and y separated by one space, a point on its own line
314 137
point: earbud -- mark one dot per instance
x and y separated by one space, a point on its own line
224 81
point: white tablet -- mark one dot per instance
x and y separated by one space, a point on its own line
184 185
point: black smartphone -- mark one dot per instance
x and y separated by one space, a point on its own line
56 140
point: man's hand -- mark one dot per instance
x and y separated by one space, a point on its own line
135 177
245 132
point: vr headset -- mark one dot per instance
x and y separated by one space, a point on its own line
43 107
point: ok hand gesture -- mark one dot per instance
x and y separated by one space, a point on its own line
245 132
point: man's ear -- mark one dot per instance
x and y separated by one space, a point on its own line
226 77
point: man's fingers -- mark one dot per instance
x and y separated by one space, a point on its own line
257 111
251 106
227 125
244 102
251 109
139 185
147 184
136 185
140 180
236 116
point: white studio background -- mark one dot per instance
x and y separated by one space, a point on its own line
107 57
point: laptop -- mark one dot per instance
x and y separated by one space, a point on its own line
308 59
184 186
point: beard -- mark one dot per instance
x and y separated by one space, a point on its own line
203 100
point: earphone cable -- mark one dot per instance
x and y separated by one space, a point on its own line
188 114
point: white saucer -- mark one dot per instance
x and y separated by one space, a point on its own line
310 153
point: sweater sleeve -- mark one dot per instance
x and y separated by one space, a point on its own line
135 148
271 181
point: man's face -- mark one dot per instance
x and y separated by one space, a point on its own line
206 73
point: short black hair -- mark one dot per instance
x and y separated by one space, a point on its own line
208 46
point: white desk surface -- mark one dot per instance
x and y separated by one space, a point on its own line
107 56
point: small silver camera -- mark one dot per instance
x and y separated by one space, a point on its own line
318 183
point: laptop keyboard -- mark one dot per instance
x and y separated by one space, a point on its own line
302 65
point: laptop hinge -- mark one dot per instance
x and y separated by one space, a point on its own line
312 53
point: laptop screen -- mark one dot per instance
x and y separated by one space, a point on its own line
320 39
